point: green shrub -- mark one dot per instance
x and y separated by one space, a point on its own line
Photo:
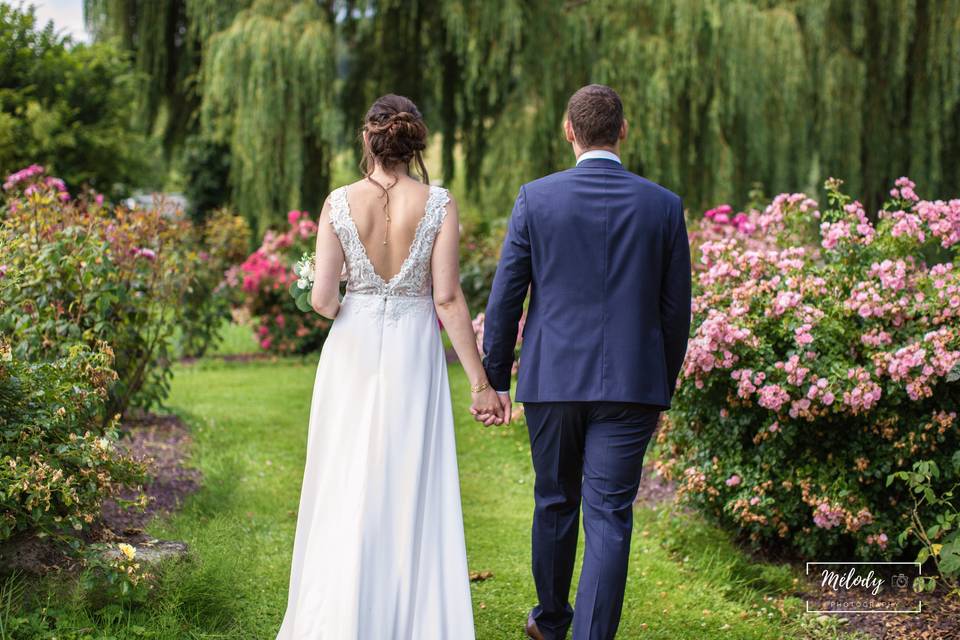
934 522
58 455
480 244
207 303
116 578
77 271
69 106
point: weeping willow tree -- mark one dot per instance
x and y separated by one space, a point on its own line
483 42
166 40
720 94
388 43
887 101
148 29
453 58
255 79
269 93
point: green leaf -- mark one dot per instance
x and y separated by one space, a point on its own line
950 559
303 303
954 374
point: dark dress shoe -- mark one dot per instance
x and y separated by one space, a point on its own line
532 630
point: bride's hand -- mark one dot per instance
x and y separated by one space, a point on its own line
487 408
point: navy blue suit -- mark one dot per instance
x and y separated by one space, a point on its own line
605 257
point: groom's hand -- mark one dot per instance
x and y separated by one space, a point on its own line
506 405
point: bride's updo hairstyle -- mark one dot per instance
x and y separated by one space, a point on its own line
396 134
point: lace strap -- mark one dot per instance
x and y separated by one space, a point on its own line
436 207
338 211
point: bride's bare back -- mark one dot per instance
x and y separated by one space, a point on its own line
387 242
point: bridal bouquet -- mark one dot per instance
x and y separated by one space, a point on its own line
301 287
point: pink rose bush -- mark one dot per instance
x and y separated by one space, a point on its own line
78 272
824 357
478 325
263 282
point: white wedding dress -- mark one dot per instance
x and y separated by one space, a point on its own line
379 552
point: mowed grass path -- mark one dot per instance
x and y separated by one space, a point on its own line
249 422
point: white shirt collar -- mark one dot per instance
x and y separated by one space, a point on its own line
598 153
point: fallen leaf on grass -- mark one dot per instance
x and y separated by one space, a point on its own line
480 576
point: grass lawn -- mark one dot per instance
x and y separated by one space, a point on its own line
249 423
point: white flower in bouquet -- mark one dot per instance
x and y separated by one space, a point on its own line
301 288
304 270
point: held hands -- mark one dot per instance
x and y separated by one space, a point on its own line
494 408
487 407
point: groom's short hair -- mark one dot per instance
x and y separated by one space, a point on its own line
596 114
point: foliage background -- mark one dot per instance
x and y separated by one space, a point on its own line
720 93
69 106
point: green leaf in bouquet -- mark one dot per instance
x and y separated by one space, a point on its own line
303 302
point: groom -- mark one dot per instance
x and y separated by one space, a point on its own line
605 257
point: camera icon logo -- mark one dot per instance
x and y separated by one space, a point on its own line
900 581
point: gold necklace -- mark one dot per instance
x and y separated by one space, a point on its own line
386 229
386 207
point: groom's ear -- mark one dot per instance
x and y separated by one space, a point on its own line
568 130
623 129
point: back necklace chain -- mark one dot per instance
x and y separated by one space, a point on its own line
386 207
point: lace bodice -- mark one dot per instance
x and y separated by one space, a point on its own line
414 277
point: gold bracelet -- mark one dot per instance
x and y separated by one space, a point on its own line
477 388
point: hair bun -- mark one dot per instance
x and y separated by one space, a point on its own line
396 131
410 128
404 116
395 134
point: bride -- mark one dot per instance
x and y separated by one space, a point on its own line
379 550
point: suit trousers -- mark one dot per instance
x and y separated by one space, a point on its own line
589 452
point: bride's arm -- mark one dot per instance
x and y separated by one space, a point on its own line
325 297
452 311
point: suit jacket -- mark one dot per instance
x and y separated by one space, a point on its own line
605 256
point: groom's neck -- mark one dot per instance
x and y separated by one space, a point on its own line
579 151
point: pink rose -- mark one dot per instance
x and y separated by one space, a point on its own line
732 481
